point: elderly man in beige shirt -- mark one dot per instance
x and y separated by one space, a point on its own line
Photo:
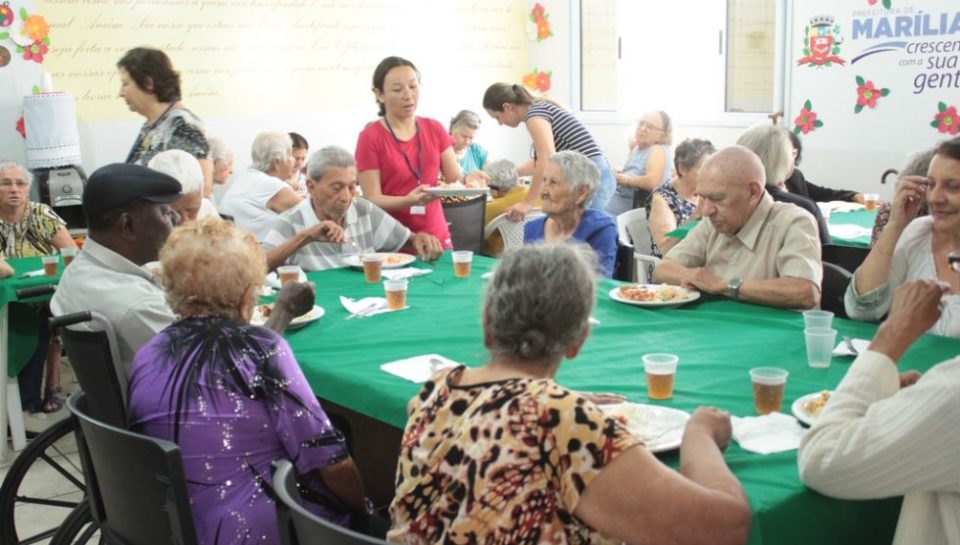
749 248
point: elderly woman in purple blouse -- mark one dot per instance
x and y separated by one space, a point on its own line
231 394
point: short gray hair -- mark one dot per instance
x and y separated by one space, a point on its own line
539 301
465 118
182 166
331 156
5 164
503 174
219 149
578 171
689 152
268 146
772 145
918 164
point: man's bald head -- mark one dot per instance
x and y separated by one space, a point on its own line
731 184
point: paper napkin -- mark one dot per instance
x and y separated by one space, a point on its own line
848 231
418 368
774 432
843 350
30 274
406 272
368 306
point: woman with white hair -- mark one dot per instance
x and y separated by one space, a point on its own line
570 181
506 190
222 157
257 196
772 145
185 169
463 129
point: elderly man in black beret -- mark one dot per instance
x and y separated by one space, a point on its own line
129 218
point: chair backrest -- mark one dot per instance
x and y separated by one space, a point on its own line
135 484
632 228
510 231
465 220
96 363
834 286
301 527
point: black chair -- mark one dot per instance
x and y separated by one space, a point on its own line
835 282
466 219
301 527
96 363
136 488
848 257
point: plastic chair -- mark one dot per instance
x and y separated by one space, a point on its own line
834 286
301 527
510 231
465 220
136 488
633 233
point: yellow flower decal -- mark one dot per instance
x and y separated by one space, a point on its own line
36 27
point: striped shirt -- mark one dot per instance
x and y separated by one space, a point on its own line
366 224
568 132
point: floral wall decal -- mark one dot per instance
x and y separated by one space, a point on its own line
807 121
538 80
868 94
32 38
886 3
540 18
947 120
6 14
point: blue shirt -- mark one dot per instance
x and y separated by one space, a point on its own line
596 229
473 159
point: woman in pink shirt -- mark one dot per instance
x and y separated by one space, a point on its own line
401 154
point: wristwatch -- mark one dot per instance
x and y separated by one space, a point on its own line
733 287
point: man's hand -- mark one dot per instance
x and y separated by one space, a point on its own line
705 281
909 378
712 422
427 246
518 212
326 231
915 308
294 299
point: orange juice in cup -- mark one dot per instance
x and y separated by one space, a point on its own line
870 201
288 273
661 370
372 267
768 386
396 292
68 255
50 263
462 262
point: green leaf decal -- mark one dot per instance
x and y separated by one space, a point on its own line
817 123
860 80
942 107
36 89
23 13
807 104
884 92
935 124
857 109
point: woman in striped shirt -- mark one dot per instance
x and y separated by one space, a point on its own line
552 129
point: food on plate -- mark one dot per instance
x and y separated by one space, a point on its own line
451 185
393 259
662 293
815 405
265 310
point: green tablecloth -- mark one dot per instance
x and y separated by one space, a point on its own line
23 320
860 218
717 341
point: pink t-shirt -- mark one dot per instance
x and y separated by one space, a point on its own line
378 150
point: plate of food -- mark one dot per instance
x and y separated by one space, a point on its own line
807 408
456 189
390 260
661 428
653 295
262 312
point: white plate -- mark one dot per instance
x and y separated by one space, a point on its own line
390 260
456 191
314 314
661 428
691 296
801 413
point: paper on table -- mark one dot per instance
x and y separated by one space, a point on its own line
774 432
849 230
30 274
418 368
368 306
842 349
406 272
844 206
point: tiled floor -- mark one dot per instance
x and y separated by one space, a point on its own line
42 480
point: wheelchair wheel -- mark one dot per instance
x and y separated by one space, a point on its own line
44 456
79 529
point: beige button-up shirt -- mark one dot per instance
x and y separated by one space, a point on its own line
780 239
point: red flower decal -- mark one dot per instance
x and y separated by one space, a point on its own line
868 94
538 80
35 52
540 18
807 121
22 128
543 81
947 120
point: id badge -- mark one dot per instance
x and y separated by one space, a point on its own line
418 210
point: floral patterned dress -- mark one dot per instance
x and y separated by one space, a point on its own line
682 209
500 463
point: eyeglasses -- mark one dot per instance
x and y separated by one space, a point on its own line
7 184
954 260
648 125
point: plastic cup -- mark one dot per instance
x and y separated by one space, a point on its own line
372 267
817 318
50 263
768 386
820 341
396 292
68 255
870 201
288 273
661 370
461 263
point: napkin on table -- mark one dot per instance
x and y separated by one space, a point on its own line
405 272
774 432
843 350
849 230
418 368
30 274
368 306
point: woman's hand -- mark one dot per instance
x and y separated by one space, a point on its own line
419 196
477 178
518 212
911 191
713 423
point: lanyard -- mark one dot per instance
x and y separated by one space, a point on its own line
415 171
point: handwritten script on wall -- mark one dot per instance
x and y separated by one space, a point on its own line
240 57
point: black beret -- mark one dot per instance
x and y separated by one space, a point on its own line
118 184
